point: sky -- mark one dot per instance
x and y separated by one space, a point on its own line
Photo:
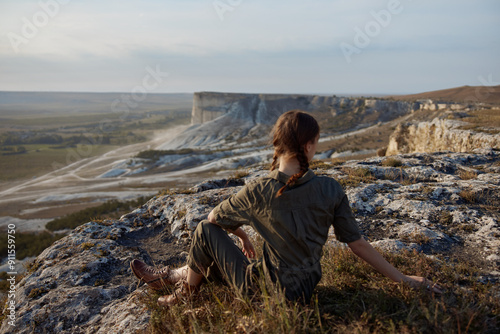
360 47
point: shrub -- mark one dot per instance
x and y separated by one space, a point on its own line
392 162
398 175
445 218
112 208
467 174
87 245
468 195
416 237
37 292
381 152
338 161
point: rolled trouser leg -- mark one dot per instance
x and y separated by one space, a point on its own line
215 255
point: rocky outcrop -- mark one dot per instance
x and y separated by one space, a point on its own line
440 204
223 120
439 135
255 108
265 108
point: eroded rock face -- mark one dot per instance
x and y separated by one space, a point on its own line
265 108
439 135
228 118
442 204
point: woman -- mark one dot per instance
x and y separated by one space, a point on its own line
292 209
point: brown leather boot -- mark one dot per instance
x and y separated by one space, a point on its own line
183 292
157 279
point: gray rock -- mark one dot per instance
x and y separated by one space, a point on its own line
83 283
393 246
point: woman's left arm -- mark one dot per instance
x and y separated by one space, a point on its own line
365 251
246 244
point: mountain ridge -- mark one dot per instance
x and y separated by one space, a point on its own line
471 94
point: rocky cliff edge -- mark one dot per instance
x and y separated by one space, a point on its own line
439 135
225 119
442 204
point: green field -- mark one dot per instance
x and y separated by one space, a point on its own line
40 132
41 159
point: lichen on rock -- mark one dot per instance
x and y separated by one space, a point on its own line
83 283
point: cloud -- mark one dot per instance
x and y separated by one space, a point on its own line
279 46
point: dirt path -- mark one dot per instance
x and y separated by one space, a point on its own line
80 182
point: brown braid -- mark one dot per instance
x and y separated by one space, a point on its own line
304 166
274 164
292 131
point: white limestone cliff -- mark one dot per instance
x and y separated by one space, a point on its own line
229 119
439 135
264 108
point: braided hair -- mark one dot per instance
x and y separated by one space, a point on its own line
293 130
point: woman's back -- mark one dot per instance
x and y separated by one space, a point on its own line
294 225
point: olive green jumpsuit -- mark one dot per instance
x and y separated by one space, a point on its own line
293 226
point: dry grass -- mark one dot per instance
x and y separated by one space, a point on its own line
416 237
351 298
466 174
392 162
398 175
445 218
469 196
239 174
356 176
483 119
318 164
485 94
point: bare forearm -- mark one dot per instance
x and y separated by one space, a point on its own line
237 232
365 251
246 245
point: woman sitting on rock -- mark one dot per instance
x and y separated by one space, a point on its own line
292 209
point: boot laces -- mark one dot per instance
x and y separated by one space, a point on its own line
183 289
161 272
